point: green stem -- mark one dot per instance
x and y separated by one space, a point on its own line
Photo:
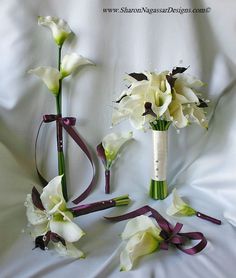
60 154
122 200
160 124
158 190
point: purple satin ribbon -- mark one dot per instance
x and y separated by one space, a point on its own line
170 234
68 124
89 208
208 218
101 154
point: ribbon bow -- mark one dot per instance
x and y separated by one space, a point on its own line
172 237
68 124
170 234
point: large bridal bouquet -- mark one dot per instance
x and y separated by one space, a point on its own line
160 100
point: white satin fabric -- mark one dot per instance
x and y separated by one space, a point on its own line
160 141
201 164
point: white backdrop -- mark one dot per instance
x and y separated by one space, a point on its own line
201 164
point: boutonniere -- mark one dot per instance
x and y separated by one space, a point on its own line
180 208
108 151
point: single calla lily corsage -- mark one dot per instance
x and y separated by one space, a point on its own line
181 208
159 100
52 222
144 236
108 151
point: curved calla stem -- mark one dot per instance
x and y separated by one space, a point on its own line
60 153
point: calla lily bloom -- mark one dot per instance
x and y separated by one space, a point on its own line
50 218
184 107
143 238
50 76
178 206
113 142
59 27
71 62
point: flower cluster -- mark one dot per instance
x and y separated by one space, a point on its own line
70 62
52 221
171 96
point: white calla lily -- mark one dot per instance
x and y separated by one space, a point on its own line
69 250
143 238
196 115
71 62
55 217
183 108
59 27
131 105
50 76
178 206
139 245
176 112
113 142
139 224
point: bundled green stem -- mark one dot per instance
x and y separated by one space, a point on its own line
160 125
122 200
158 190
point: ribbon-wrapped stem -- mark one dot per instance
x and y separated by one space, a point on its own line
107 180
158 185
208 218
60 153
102 205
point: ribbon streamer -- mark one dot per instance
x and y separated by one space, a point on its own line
68 124
170 234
